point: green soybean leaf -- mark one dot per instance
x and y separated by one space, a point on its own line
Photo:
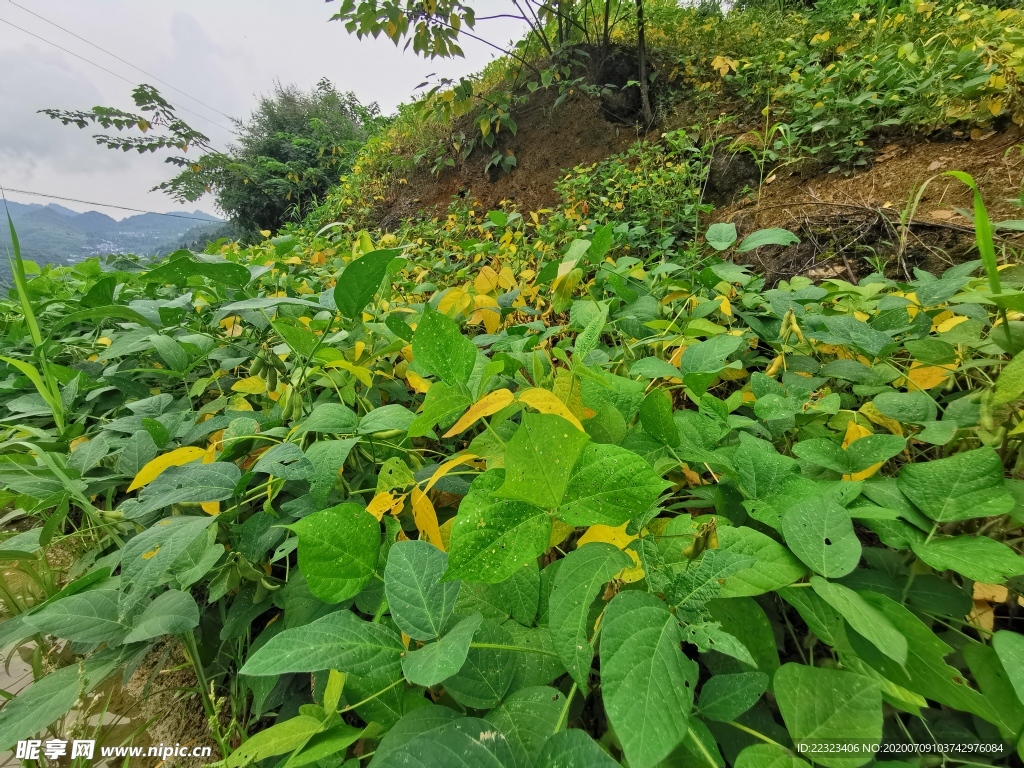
829 705
654 368
331 741
441 403
821 618
871 450
435 662
539 459
1009 646
726 697
493 537
338 550
88 617
420 720
771 236
647 682
865 619
656 417
327 458
609 485
926 671
182 265
574 749
527 719
579 579
820 532
278 739
522 591
721 236
171 352
339 640
484 678
146 559
440 348
774 565
1010 384
419 601
745 621
768 756
171 613
284 460
333 418
906 407
979 558
192 483
961 487
52 696
464 743
385 419
361 279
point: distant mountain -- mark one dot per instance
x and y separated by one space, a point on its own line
53 234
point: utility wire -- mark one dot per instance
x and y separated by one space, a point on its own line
109 205
123 61
108 71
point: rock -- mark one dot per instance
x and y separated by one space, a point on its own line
729 176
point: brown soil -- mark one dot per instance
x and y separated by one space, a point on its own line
845 220
549 141
897 170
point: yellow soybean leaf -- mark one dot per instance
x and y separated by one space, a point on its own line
487 312
447 467
486 281
252 385
417 382
547 402
507 279
384 502
921 376
425 517
725 307
455 302
559 532
855 432
361 373
209 456
617 537
950 323
175 458
446 532
487 405
875 416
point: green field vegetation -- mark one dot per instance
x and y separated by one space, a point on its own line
556 488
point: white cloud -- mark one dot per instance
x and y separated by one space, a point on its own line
224 54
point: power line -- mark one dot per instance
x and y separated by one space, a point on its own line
108 71
123 61
109 205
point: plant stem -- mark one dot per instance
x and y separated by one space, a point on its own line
188 639
756 734
564 716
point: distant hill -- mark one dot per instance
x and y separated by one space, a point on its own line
53 234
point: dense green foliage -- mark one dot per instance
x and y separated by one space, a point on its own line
288 154
538 488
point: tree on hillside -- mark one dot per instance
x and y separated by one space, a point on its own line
434 28
287 155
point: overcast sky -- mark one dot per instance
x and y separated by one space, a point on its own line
222 52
